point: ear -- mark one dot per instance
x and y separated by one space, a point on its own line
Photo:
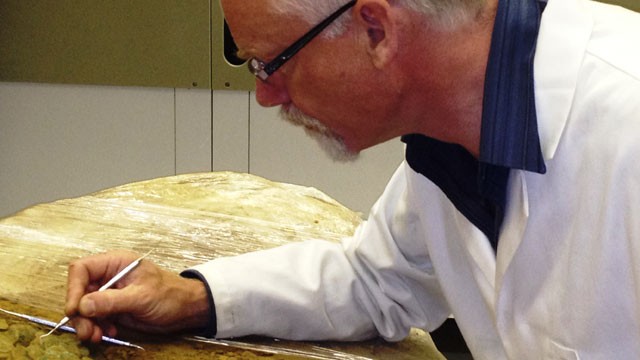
379 25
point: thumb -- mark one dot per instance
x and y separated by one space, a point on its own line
105 303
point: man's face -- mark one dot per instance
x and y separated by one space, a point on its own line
325 87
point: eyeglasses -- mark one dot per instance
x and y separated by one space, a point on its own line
262 71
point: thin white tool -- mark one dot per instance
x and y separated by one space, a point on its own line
104 287
48 323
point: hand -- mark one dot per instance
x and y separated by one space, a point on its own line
148 299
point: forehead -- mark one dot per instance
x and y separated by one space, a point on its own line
257 28
243 12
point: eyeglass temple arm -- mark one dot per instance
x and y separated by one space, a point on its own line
275 64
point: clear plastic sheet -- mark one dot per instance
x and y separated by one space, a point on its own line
185 220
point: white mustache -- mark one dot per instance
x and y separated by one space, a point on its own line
329 141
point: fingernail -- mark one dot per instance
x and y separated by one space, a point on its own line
87 307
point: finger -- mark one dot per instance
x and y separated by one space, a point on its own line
84 328
77 283
96 337
108 327
111 330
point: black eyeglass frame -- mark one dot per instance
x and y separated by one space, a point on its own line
263 70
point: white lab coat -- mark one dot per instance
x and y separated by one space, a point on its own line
565 283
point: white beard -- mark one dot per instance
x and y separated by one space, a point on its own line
332 144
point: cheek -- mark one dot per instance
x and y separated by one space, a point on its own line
313 91
325 84
331 92
340 94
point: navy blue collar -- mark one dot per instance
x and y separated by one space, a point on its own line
509 134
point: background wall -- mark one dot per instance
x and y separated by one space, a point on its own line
59 141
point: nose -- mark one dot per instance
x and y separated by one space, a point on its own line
272 92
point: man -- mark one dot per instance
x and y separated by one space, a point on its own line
515 210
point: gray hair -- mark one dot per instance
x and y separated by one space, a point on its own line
445 14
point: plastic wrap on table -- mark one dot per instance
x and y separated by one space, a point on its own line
184 219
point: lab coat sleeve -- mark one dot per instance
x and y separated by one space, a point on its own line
379 282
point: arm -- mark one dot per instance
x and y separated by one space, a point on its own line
378 282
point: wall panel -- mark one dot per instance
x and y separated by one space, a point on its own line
162 43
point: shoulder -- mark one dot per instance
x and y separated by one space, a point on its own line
614 38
